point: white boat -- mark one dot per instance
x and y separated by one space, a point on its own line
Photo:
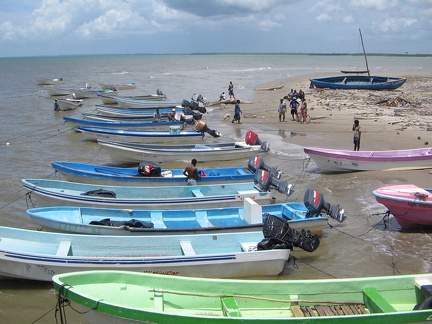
85 93
44 81
37 255
116 86
124 153
64 104
56 192
57 92
111 99
140 103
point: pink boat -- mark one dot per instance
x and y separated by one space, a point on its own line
409 204
331 161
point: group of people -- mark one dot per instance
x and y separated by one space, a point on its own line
292 97
171 116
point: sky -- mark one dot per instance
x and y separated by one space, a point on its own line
73 27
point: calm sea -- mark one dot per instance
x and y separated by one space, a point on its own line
33 136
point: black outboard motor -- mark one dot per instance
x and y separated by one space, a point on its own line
264 181
202 127
256 162
185 103
279 235
252 138
149 169
315 203
195 114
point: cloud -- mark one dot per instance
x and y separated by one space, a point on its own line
380 5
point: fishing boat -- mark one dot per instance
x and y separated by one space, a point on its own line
359 82
409 204
88 92
112 99
331 160
126 297
109 123
117 86
174 134
37 255
124 153
45 81
57 192
250 217
103 174
114 112
64 104
143 117
57 92
141 103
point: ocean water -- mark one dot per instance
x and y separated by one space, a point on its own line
33 136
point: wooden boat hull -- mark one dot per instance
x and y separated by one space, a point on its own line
38 255
55 192
331 161
140 136
359 82
101 174
124 153
410 205
149 124
191 221
111 296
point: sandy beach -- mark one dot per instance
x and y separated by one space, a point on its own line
396 119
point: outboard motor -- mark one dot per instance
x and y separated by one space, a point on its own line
185 103
252 138
202 127
189 121
264 181
315 203
256 162
279 235
196 115
193 105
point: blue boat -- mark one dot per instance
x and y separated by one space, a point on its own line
143 136
106 111
250 217
56 192
149 124
101 174
37 255
360 82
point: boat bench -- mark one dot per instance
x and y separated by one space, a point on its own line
197 193
187 248
376 302
64 249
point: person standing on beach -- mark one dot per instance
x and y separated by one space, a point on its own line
191 172
294 104
237 112
357 135
231 90
282 110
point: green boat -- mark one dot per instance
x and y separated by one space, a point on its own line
124 297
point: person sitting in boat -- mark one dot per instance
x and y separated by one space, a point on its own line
191 172
157 116
222 96
159 92
172 115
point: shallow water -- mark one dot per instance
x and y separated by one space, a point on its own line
361 246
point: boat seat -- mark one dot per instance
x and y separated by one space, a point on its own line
197 193
230 307
249 246
247 192
64 249
376 302
202 219
187 248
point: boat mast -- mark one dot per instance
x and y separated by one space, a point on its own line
364 52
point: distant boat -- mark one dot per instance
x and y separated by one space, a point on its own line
359 82
37 255
140 103
44 81
143 124
112 99
131 297
84 93
410 205
65 104
55 192
57 92
123 86
331 160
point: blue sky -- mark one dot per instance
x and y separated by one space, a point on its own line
53 27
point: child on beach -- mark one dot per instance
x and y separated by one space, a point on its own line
237 112
357 134
282 110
